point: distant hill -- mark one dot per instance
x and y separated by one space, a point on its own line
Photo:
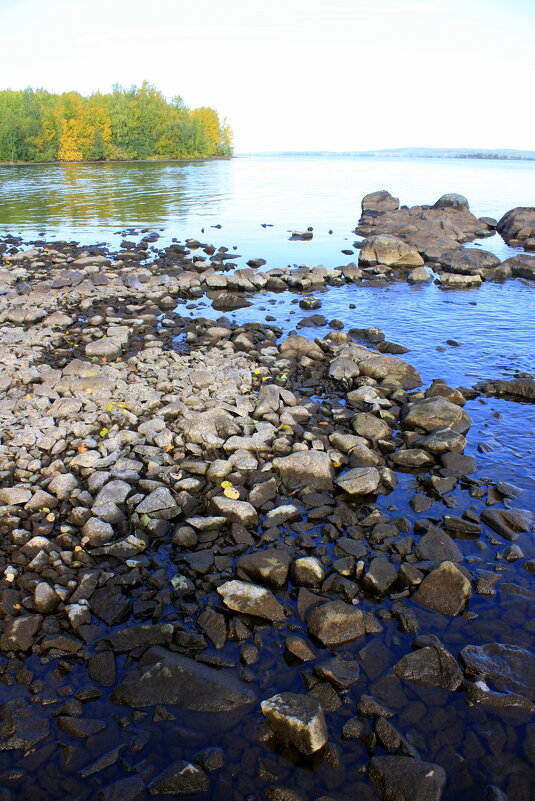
413 152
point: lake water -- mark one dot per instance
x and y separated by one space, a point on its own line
90 202
494 327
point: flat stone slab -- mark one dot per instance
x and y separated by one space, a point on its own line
250 599
169 678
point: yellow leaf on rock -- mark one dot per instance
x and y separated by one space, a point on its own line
226 484
232 493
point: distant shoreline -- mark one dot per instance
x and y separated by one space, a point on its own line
117 161
408 153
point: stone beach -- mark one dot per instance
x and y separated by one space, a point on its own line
244 565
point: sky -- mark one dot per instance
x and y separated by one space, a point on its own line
297 74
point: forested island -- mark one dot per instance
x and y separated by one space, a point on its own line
135 123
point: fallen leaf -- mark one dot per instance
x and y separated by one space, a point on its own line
232 493
226 484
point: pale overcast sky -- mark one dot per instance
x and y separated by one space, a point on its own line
297 74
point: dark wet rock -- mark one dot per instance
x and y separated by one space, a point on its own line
337 622
380 576
509 668
307 571
123 640
520 387
369 706
400 778
164 677
210 759
443 440
389 250
517 225
509 523
213 625
101 668
437 546
80 727
359 481
433 667
312 469
281 793
492 793
353 729
19 633
461 527
21 727
250 599
270 566
128 789
521 266
298 648
445 590
105 761
297 720
180 778
342 673
479 693
457 465
391 739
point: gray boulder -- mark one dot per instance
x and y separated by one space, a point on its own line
312 469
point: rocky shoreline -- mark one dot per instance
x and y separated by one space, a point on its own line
250 567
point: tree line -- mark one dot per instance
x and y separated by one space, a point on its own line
135 123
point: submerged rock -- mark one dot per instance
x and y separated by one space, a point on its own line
164 677
508 522
180 778
400 778
508 667
297 720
